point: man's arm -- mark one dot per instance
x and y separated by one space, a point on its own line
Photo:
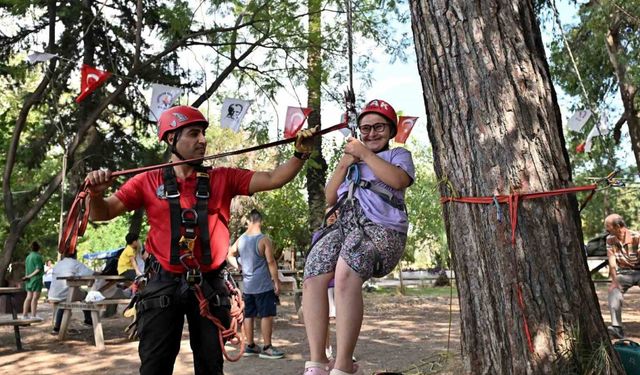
103 208
276 178
134 263
231 255
262 181
266 244
613 272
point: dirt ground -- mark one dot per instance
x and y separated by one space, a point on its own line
397 332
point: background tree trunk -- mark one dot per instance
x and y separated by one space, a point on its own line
495 128
317 167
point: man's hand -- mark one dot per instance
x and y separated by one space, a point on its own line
25 278
304 142
613 285
99 181
276 287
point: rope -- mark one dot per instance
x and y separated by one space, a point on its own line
514 199
233 334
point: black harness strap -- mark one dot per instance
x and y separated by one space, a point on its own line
179 217
175 212
202 208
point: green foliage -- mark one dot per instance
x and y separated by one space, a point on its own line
587 40
426 242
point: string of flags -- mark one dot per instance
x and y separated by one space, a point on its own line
233 110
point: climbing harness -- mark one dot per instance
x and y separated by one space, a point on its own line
188 218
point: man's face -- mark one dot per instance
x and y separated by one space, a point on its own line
612 229
191 143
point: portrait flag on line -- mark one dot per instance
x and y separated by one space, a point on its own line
40 57
405 125
92 78
233 110
599 129
296 116
162 98
577 121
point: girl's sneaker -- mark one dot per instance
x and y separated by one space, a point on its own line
269 352
356 371
316 368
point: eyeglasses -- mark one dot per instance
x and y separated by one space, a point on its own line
378 128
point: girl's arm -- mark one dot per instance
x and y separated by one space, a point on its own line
388 173
331 190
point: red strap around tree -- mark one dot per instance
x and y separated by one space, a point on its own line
513 201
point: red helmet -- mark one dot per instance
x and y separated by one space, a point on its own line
385 110
177 117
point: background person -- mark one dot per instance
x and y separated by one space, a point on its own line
34 271
261 285
624 268
128 259
67 266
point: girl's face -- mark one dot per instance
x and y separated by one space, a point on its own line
375 131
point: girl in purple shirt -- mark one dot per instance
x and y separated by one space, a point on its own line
368 239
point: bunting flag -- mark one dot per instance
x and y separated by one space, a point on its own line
405 125
40 57
162 98
577 121
92 78
296 117
599 129
233 110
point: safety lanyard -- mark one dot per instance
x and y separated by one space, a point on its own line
188 218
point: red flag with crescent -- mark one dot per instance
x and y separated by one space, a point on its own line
92 78
405 124
295 119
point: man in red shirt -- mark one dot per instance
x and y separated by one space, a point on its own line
188 208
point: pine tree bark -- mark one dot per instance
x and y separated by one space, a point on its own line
317 169
495 128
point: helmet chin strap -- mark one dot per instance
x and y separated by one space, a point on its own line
174 150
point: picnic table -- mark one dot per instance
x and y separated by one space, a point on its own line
14 321
75 283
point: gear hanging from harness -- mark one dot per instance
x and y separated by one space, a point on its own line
347 198
184 234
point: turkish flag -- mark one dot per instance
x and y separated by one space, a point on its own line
92 78
405 124
296 117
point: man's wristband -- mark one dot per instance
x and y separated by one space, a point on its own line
301 155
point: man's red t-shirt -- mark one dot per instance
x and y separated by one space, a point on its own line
147 190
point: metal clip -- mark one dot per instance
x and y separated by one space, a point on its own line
187 244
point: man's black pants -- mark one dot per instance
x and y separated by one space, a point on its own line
160 328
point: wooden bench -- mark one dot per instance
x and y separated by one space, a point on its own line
96 308
17 323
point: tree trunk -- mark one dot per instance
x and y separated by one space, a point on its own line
317 167
495 128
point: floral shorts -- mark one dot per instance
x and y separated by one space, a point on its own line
360 242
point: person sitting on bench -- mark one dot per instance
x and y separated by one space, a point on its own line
67 266
127 262
624 268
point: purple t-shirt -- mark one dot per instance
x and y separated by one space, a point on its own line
374 207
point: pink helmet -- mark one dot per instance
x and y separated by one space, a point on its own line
385 110
177 117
